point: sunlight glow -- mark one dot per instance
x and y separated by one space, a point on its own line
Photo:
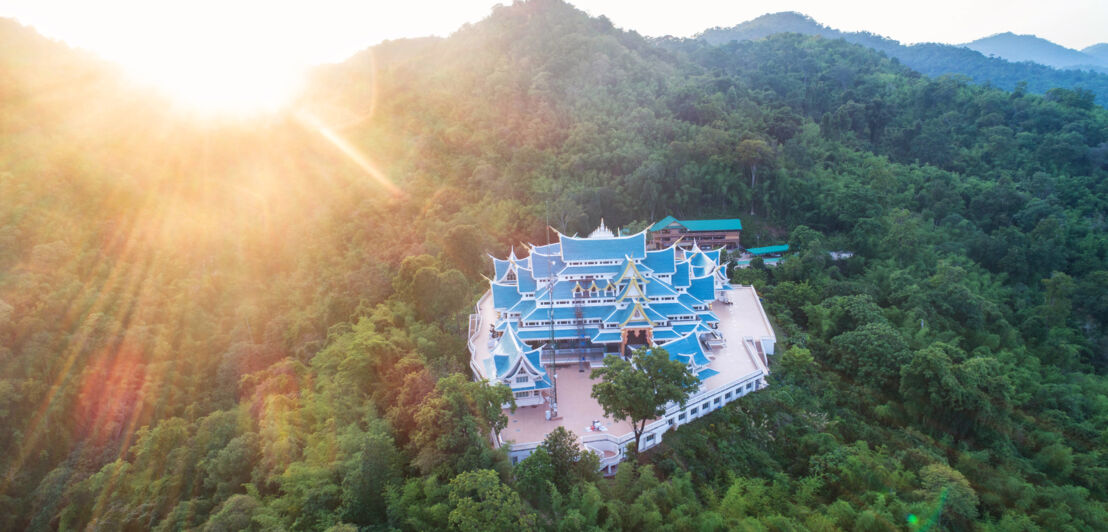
210 57
350 151
240 56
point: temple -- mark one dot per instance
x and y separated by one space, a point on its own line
568 304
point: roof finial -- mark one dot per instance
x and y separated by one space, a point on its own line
602 231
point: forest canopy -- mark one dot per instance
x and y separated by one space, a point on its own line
234 326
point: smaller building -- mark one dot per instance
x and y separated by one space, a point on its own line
704 233
769 251
770 255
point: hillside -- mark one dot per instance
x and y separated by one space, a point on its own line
1099 51
1016 48
238 326
927 58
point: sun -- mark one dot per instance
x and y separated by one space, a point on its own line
214 57
212 60
218 78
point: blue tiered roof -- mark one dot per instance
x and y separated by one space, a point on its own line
661 261
511 352
614 283
585 249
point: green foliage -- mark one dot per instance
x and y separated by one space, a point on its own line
479 502
455 422
639 390
229 326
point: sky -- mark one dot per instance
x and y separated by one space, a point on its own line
239 49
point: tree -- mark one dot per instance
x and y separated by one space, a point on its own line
236 513
464 247
753 152
571 464
367 473
453 424
639 390
949 488
873 354
480 502
1059 289
534 478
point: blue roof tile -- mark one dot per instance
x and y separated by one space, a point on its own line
548 249
522 307
705 373
525 281
688 345
633 246
504 296
569 313
659 288
703 288
596 270
665 334
543 334
500 267
545 266
607 336
680 278
673 309
661 261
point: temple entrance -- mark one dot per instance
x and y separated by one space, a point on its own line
632 339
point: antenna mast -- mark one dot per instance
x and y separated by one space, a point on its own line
552 277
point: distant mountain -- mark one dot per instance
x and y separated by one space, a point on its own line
930 58
791 22
1017 48
1099 51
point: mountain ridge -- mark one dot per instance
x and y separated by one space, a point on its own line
1016 48
932 59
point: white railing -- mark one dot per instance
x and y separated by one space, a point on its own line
475 332
703 398
762 312
609 451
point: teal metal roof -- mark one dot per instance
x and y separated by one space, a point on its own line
768 249
663 223
723 224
